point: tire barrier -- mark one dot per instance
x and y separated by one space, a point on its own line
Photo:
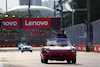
95 48
0 45
3 45
99 48
8 45
13 45
33 45
84 49
79 48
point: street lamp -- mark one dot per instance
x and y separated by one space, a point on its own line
61 2
6 6
29 8
72 12
88 17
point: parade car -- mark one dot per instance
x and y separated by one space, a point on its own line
26 48
58 49
20 45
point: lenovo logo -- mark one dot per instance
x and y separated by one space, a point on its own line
36 23
10 23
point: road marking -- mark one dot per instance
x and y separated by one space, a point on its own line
1 64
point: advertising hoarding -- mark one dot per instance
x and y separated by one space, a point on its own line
29 23
10 23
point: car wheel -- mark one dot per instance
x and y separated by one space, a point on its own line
68 61
18 48
74 61
44 60
30 50
22 51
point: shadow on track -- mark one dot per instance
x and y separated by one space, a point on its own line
63 63
9 50
16 50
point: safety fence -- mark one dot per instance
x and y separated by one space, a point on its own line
77 34
96 32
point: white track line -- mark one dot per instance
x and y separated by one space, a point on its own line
1 65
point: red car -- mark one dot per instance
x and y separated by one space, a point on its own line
58 49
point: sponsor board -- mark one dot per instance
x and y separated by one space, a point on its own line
29 23
11 23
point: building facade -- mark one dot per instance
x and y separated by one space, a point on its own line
32 2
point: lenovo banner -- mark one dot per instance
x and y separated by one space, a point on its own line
11 23
29 23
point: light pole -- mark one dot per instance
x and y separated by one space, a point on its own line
61 15
60 4
29 8
54 8
88 18
6 6
72 12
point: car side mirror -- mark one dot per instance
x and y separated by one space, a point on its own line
73 44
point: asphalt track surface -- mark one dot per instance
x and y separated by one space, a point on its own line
12 57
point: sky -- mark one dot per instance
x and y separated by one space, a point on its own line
10 4
13 3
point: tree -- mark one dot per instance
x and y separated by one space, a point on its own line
94 10
81 16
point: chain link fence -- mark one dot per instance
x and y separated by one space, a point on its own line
77 34
96 32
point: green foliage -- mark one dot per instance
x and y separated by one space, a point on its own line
95 9
80 16
2 16
9 16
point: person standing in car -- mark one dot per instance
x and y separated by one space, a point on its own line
28 43
62 35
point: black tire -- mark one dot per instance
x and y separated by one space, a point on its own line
74 61
30 50
44 61
22 51
68 61
18 48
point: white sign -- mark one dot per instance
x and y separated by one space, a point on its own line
36 23
9 23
